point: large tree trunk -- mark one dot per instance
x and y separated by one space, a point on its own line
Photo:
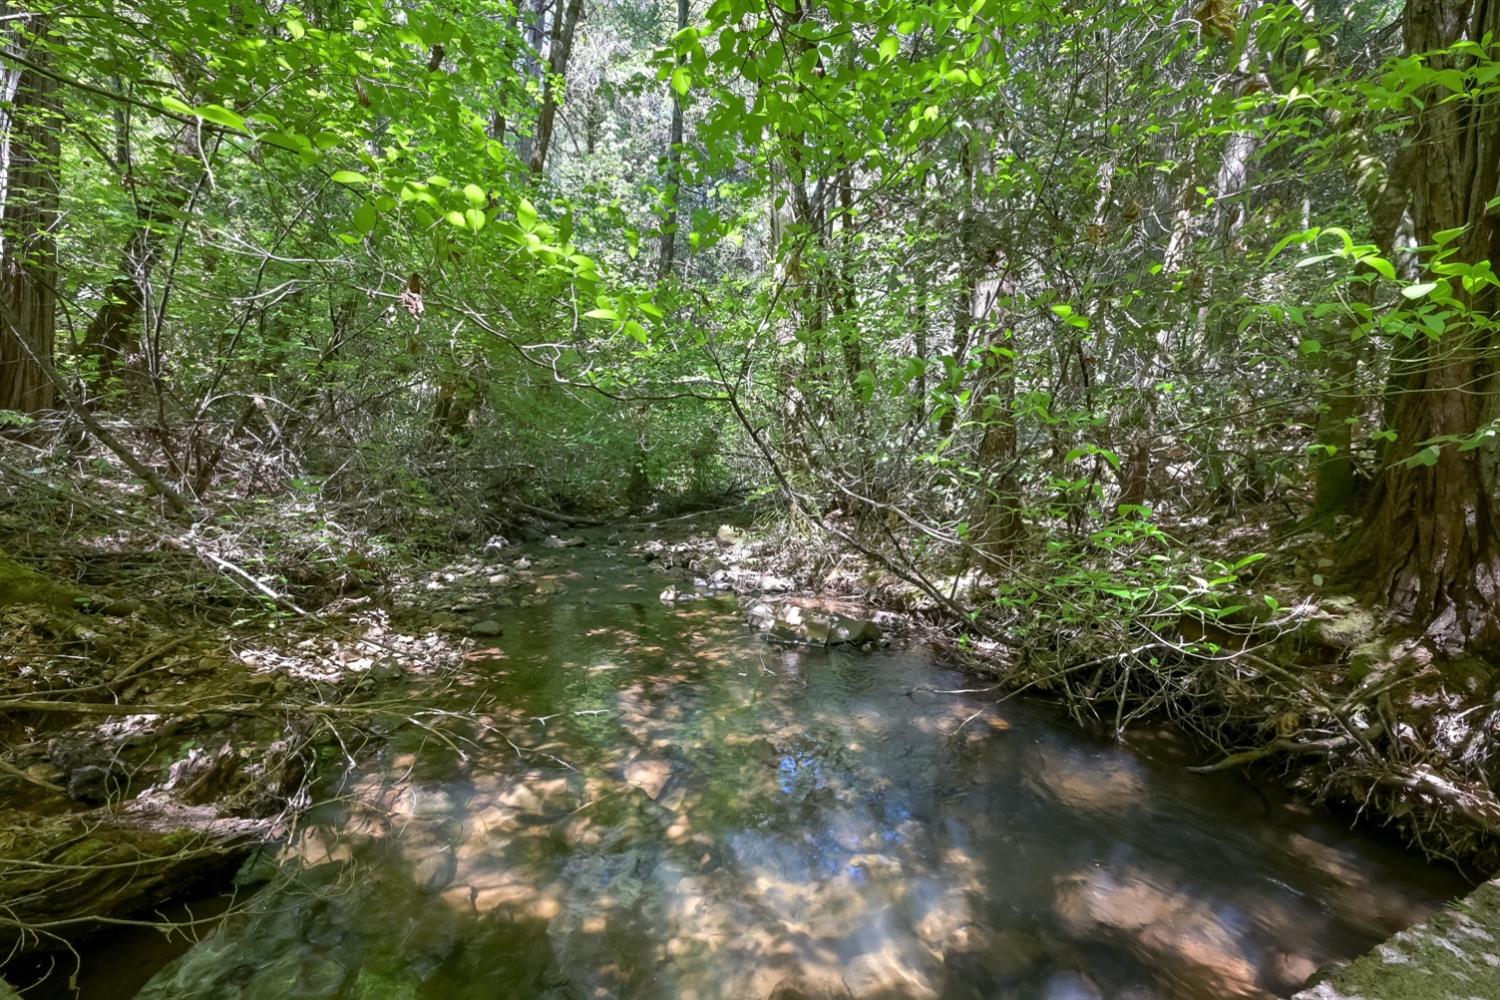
1430 539
558 51
29 148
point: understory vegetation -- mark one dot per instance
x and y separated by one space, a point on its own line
1144 353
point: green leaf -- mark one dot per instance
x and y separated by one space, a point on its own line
526 215
475 219
608 314
682 80
220 115
365 217
350 177
1428 457
1310 346
176 106
456 219
1418 291
475 195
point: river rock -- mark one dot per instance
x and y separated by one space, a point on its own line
486 628
805 988
648 775
815 626
386 668
435 870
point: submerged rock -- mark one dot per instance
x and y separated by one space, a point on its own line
811 625
486 628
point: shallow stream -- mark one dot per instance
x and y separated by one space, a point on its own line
659 804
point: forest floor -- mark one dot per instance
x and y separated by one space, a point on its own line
168 698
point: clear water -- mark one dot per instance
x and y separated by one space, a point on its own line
660 805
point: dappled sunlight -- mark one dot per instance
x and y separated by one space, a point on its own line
1167 926
662 806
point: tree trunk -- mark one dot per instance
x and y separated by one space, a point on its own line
1384 191
29 148
108 340
1430 542
995 518
1139 461
665 257
558 51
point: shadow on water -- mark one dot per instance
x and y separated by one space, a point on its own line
658 805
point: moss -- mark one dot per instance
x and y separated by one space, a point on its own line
20 584
1354 627
83 852
1455 954
1367 656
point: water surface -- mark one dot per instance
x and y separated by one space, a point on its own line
658 804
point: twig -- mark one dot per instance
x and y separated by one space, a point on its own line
15 772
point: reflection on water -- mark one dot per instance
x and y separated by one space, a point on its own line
658 805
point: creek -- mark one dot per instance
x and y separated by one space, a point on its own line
649 801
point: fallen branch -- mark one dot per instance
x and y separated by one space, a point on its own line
16 772
1287 746
560 518
1474 802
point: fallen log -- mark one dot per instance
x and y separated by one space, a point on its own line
64 875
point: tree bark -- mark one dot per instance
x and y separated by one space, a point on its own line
995 517
29 150
108 337
558 51
1430 536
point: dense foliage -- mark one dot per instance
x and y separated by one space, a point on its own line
1039 289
